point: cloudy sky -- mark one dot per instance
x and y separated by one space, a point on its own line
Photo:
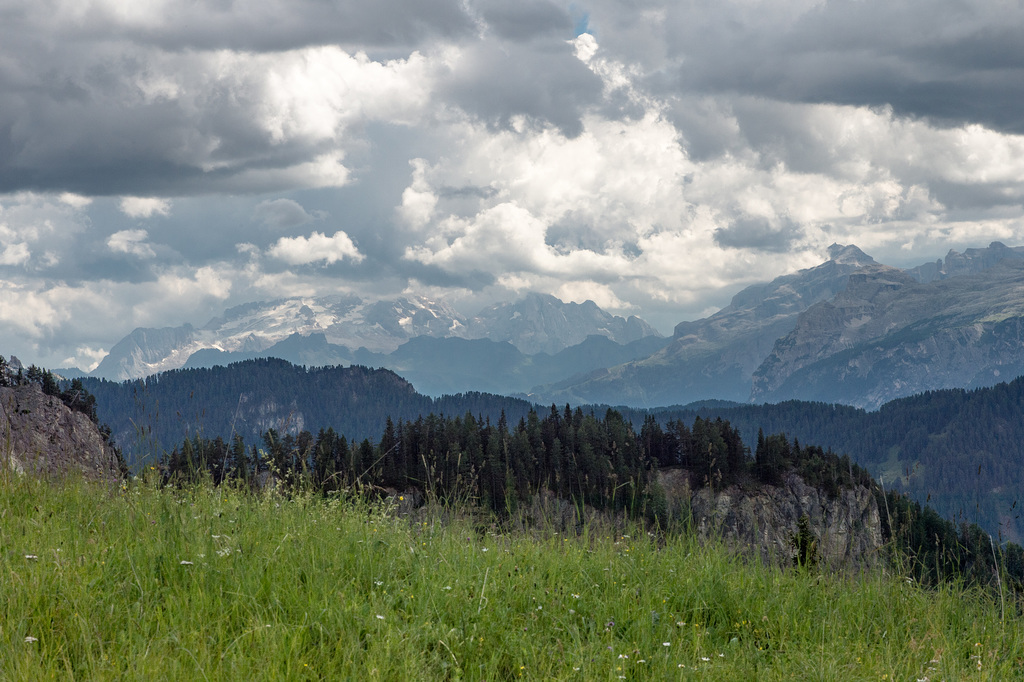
162 160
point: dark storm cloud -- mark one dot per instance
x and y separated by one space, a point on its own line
951 62
110 140
525 20
271 25
501 80
758 234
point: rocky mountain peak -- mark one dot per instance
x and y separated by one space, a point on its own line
849 254
970 262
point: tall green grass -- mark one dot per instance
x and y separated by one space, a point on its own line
136 582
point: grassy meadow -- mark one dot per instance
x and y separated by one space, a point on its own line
138 582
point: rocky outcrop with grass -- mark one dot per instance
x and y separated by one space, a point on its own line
39 434
846 526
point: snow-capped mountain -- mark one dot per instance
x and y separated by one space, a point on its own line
537 323
540 323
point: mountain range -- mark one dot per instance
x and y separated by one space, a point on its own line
850 330
346 328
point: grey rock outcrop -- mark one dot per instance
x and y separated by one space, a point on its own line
764 520
40 435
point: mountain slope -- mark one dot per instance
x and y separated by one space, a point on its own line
540 323
40 434
148 416
889 336
970 262
962 451
715 357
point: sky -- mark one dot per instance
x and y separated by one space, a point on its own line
162 160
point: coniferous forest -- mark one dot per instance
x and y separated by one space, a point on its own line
255 421
959 451
601 463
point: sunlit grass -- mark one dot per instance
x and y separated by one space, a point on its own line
105 583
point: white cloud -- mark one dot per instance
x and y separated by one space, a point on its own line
418 200
601 294
85 358
315 93
317 247
131 242
75 200
15 254
326 170
686 155
145 207
25 312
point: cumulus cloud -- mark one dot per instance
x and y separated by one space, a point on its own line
145 207
500 82
652 156
315 248
15 254
282 213
74 200
132 242
601 294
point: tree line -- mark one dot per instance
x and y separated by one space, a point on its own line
74 394
600 462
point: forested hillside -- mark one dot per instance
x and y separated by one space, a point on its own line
152 415
463 462
960 451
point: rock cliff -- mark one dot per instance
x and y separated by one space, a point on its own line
39 434
847 528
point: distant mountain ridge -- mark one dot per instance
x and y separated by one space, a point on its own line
888 336
714 358
849 330
151 415
537 323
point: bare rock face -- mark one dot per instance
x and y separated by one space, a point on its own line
39 434
847 528
888 336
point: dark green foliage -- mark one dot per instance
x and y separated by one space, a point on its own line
961 450
804 544
937 550
156 413
598 462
